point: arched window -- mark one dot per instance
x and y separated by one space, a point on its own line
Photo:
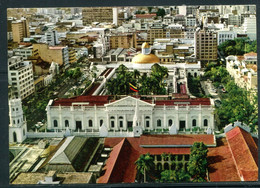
101 122
195 74
194 122
55 123
147 121
170 122
66 123
14 122
112 121
23 132
14 136
16 109
90 123
205 122
159 123
121 122
18 121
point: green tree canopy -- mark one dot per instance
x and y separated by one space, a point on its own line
168 176
197 165
144 164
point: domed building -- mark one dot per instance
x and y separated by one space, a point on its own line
145 59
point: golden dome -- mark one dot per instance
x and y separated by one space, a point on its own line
145 59
145 45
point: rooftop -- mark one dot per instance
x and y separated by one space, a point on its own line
66 178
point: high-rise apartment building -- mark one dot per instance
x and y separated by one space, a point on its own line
20 77
52 38
20 30
99 14
58 54
250 27
122 40
206 46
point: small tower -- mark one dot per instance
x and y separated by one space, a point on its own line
146 50
17 126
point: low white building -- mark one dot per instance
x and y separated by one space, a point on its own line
226 34
89 113
243 72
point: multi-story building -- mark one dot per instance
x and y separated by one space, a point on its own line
92 112
20 30
250 27
99 14
58 54
243 70
122 40
206 46
190 21
72 55
52 38
226 34
20 77
25 51
234 19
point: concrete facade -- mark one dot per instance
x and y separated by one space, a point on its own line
116 116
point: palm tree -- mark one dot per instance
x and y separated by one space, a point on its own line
144 163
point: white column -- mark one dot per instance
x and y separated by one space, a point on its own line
125 122
116 122
177 119
200 120
187 122
95 120
108 123
60 125
164 118
212 122
143 123
152 126
84 123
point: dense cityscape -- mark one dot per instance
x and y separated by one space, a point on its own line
132 94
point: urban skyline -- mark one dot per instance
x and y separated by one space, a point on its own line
97 95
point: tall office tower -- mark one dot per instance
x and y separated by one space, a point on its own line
52 38
206 46
20 30
250 27
20 77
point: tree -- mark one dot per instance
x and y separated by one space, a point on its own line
197 165
144 164
150 9
160 12
174 176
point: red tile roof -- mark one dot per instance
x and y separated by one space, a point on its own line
98 100
244 152
176 139
111 162
221 165
127 150
145 15
101 100
251 54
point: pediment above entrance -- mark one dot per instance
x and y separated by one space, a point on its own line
129 102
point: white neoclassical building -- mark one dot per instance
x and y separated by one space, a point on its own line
91 112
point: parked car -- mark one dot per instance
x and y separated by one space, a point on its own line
223 90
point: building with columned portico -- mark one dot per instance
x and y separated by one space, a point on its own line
91 112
